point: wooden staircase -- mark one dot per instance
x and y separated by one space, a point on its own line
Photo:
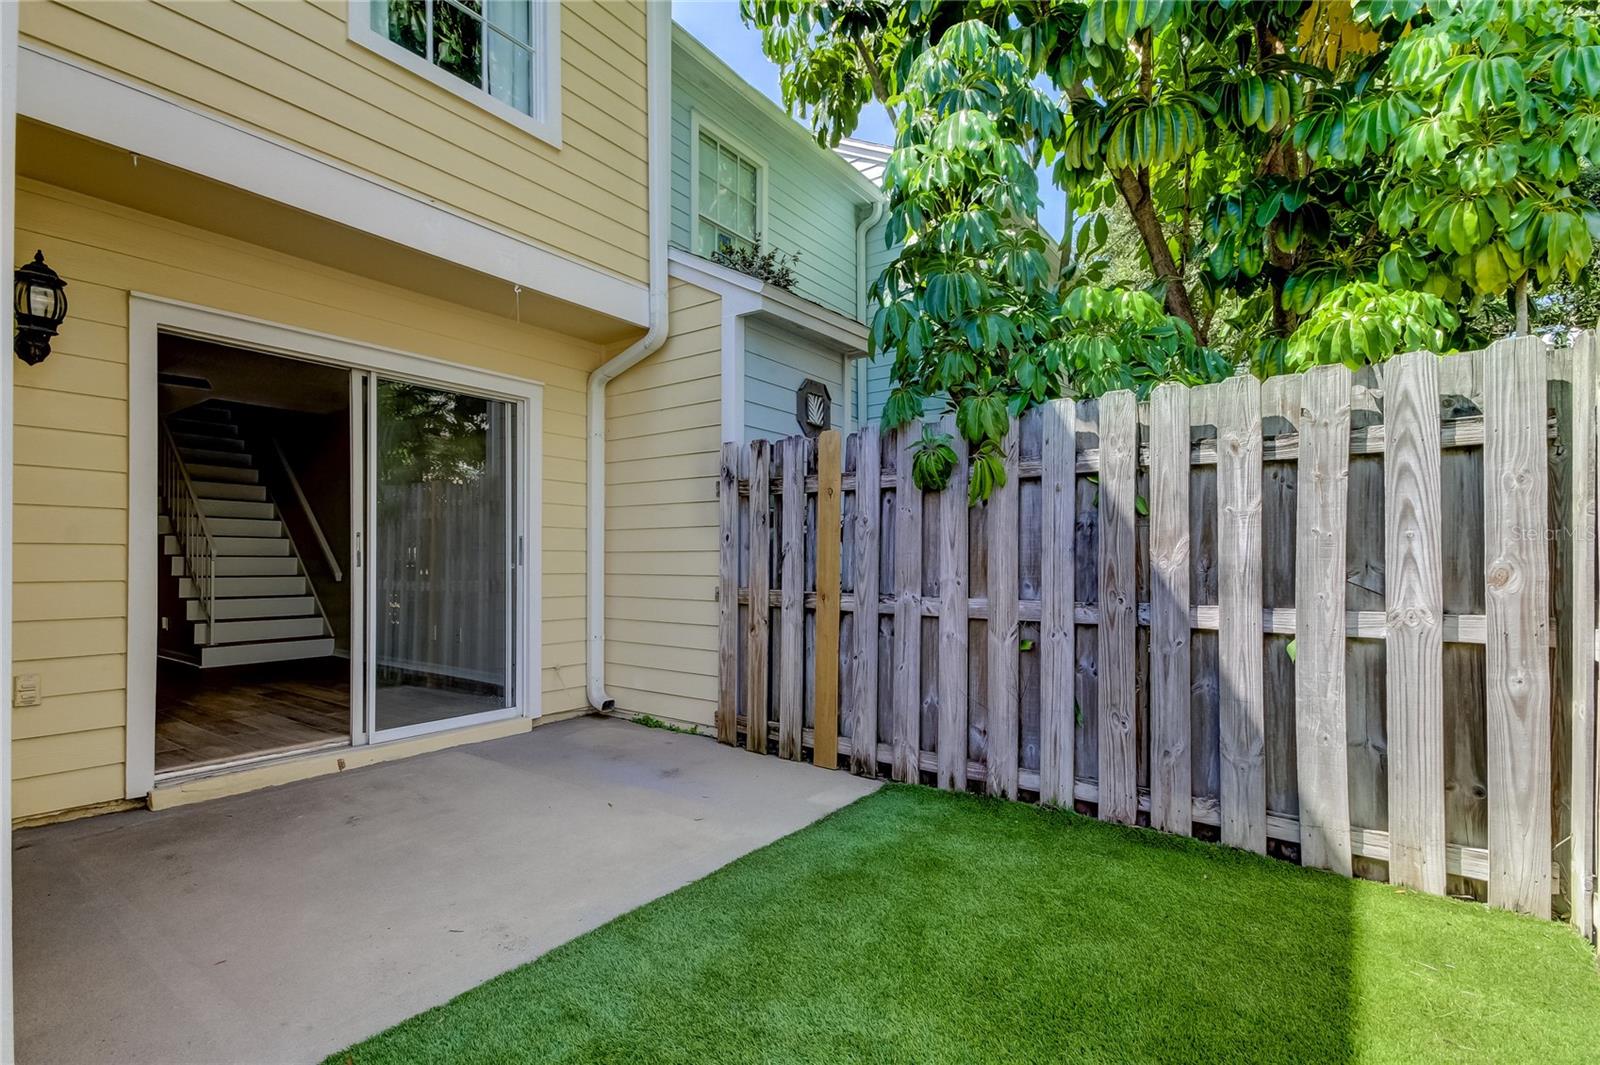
263 606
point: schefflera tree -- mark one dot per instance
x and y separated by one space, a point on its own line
1309 181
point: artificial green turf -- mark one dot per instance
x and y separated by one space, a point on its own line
920 926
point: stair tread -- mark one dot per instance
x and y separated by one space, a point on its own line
266 651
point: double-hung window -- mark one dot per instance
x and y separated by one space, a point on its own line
500 54
728 193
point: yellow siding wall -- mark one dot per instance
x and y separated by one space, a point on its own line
664 437
72 458
287 67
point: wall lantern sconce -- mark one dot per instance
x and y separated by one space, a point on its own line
813 407
41 305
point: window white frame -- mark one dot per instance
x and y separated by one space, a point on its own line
697 124
544 121
151 316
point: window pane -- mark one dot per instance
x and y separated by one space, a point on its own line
510 72
708 193
405 22
708 157
747 181
444 628
705 238
727 170
458 42
515 17
747 218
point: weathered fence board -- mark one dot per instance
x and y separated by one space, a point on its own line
1518 585
1112 628
1415 646
1242 742
907 688
1323 484
791 585
1004 640
1572 514
758 617
953 622
1118 758
864 660
1170 769
728 597
1057 624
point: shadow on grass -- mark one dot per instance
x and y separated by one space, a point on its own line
920 926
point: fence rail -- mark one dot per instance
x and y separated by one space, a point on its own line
1345 618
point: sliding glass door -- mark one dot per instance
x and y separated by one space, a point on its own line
442 566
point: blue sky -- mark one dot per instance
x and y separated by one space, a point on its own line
717 25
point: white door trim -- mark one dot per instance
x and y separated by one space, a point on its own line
8 226
148 317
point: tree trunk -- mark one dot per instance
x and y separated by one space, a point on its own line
1135 189
1522 305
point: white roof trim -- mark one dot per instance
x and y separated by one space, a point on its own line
70 95
746 295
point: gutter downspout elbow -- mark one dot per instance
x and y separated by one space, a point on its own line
658 27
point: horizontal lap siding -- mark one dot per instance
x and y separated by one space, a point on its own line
775 365
812 205
71 565
876 391
289 69
664 433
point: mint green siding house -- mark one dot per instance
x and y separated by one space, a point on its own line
743 168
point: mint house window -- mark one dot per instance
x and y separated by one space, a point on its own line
728 201
500 54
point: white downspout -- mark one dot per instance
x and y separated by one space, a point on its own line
860 367
658 97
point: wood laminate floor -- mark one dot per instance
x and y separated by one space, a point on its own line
219 715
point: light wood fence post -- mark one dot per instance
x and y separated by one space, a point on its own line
825 721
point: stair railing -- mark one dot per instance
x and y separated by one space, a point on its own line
188 524
311 515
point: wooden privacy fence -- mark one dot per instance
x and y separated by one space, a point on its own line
1348 618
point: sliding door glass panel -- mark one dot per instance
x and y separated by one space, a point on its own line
443 556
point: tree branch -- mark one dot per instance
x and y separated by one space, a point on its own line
880 88
1135 189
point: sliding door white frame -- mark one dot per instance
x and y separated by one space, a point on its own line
149 317
520 519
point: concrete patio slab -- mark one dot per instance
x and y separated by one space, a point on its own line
286 924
